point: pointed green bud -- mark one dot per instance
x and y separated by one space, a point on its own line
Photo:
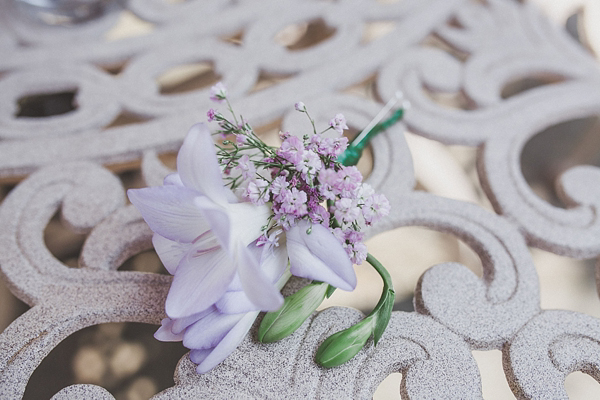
342 346
295 310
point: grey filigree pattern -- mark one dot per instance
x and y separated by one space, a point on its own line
469 50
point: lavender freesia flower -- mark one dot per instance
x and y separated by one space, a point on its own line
208 238
202 232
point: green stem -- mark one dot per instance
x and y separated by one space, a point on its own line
356 147
387 282
312 121
231 111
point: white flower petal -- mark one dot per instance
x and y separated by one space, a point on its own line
260 290
170 211
169 252
198 167
247 221
165 333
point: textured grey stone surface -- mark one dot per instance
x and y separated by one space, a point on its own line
456 312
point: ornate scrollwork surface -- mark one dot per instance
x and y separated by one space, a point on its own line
488 45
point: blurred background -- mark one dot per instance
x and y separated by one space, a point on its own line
126 359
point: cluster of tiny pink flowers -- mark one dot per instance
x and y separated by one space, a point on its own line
301 180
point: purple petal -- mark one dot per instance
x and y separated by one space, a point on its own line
169 252
228 344
181 324
273 264
235 284
165 332
197 356
209 330
173 179
256 284
319 256
170 211
197 164
199 282
235 302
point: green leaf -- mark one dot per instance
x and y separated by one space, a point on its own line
330 290
296 308
383 316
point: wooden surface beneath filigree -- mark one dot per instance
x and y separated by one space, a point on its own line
454 60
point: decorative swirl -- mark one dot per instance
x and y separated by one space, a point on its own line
485 312
64 299
120 236
501 127
551 346
88 192
574 231
95 101
433 367
83 392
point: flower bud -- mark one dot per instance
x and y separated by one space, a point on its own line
296 308
342 346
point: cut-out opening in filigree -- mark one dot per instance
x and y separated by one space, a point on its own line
269 133
236 39
438 42
582 27
128 25
187 78
406 252
127 118
493 381
580 385
169 159
62 242
11 308
367 88
114 68
566 283
124 358
47 104
5 189
389 388
456 100
303 35
455 23
520 85
267 80
574 26
146 261
132 179
374 30
556 149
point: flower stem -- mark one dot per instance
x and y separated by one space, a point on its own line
387 281
356 147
